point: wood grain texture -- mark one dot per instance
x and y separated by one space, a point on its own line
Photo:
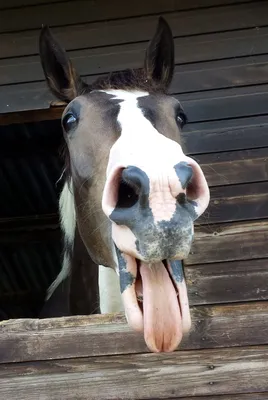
229 242
19 114
250 396
236 203
188 78
228 103
219 74
226 135
71 337
94 61
66 12
114 32
212 75
228 168
222 49
181 374
24 3
226 282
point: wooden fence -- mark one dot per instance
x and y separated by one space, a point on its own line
221 78
99 357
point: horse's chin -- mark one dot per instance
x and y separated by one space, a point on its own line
156 302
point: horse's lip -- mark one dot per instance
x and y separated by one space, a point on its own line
141 314
138 278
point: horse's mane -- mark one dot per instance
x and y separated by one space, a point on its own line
129 79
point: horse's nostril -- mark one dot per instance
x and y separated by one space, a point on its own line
181 198
127 195
133 187
184 172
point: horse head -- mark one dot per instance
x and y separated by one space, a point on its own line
136 194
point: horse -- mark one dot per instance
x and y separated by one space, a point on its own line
130 195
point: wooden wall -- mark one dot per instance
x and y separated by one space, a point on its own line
222 81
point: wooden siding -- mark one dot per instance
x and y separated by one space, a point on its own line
100 358
221 78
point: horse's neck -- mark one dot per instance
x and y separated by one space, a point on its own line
109 291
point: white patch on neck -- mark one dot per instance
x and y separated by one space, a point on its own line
68 224
109 291
109 288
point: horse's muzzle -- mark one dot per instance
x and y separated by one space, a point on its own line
153 213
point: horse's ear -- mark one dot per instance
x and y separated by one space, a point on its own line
62 79
159 60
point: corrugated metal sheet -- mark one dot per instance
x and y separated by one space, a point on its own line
29 170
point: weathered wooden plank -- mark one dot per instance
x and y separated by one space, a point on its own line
106 59
226 135
26 3
192 77
21 3
143 376
220 74
237 203
229 103
72 337
25 116
228 168
66 12
229 242
226 282
250 396
209 20
188 78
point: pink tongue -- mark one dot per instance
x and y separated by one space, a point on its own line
161 311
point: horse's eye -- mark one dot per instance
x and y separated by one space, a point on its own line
69 122
181 119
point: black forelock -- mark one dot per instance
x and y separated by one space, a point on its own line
129 79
